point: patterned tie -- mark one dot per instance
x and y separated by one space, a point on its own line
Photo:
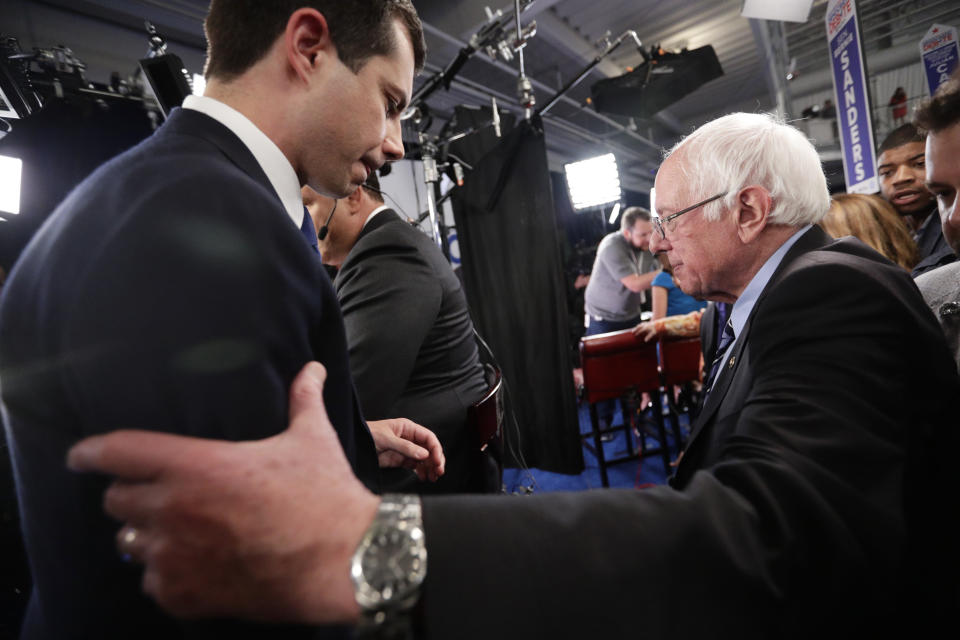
308 231
722 313
722 347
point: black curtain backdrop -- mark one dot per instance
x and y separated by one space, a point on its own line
514 280
60 146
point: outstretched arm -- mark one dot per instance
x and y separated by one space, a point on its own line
404 443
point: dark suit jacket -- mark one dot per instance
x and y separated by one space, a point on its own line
169 291
412 348
816 498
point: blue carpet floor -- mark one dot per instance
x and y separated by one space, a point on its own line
630 474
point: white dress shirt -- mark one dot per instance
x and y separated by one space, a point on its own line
279 171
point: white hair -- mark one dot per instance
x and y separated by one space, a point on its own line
743 149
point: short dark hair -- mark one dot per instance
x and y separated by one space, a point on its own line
240 32
943 109
900 136
372 185
631 215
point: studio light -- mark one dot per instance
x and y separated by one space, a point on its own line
10 171
593 182
199 84
788 10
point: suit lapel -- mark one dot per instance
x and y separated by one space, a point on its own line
811 240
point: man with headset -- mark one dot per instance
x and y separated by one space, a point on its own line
411 340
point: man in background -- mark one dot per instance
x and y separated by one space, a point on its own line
902 174
413 351
623 269
940 118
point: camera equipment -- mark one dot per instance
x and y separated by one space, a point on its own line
661 80
28 80
165 72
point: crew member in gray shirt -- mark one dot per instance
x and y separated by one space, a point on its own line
622 271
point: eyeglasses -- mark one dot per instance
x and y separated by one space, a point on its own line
661 224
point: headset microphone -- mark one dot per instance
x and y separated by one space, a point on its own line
326 225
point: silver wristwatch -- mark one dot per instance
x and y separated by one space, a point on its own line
389 566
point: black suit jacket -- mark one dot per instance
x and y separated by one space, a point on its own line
412 348
169 291
816 498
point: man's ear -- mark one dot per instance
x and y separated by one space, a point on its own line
307 42
354 200
752 209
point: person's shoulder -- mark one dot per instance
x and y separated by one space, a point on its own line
181 167
663 279
394 241
390 233
940 283
835 271
848 254
612 243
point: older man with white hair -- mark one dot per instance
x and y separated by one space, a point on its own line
816 496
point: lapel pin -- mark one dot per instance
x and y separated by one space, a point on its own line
732 360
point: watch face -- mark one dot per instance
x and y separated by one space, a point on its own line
391 567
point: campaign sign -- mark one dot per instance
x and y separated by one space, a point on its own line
940 52
853 99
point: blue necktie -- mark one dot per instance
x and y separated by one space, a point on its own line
308 231
723 311
722 347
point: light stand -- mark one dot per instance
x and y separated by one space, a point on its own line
524 86
493 38
431 176
610 48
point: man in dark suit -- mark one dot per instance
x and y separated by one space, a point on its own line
174 290
816 496
412 347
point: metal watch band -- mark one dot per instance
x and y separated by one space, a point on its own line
384 615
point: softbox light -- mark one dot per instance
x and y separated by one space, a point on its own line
593 182
657 83
10 172
788 10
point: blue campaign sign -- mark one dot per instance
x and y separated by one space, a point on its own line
853 99
940 52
